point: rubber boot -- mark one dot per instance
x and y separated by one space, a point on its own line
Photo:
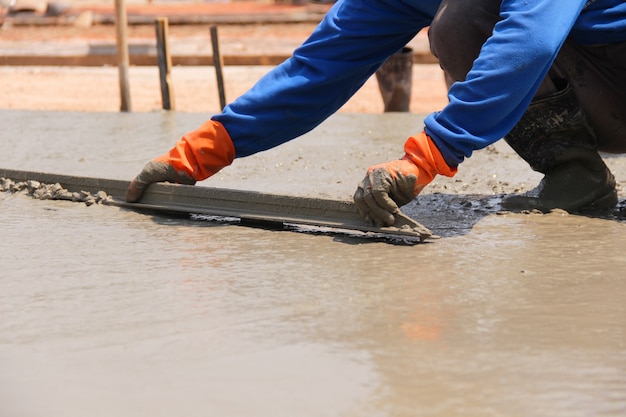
554 137
395 80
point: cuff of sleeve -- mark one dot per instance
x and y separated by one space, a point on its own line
423 152
202 152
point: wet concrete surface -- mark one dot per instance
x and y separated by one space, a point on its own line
105 311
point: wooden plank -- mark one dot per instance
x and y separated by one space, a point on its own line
218 63
99 60
164 62
123 60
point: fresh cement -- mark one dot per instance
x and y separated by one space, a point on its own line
105 311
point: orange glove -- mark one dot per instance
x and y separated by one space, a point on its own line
390 185
195 157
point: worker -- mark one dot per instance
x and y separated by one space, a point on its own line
547 76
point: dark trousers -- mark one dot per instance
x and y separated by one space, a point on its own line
596 73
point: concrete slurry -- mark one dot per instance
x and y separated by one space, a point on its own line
105 311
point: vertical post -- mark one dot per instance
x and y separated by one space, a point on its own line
218 63
164 61
123 60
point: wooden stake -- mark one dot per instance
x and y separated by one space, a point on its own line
218 63
164 61
123 60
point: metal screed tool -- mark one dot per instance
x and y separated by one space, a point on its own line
249 208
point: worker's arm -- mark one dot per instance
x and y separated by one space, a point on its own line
482 109
504 78
347 47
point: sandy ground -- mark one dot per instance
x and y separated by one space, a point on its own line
194 88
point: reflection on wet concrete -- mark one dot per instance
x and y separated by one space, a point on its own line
105 311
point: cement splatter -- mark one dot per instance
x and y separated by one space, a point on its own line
41 191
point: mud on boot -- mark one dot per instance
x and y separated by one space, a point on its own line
573 187
554 137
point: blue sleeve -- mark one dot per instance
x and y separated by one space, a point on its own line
504 78
601 22
352 41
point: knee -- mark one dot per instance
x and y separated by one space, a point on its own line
444 32
459 30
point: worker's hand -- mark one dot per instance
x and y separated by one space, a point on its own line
197 156
155 171
388 186
385 188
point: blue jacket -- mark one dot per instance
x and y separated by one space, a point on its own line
356 37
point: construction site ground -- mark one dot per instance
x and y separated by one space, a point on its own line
106 311
69 62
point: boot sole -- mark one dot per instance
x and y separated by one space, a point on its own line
606 202
520 203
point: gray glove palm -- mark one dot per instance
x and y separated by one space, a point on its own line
381 194
155 172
